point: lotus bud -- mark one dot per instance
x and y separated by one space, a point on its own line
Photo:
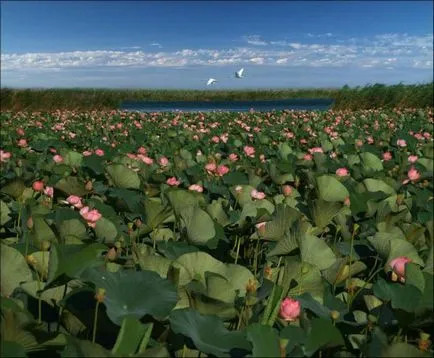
424 342
100 294
399 199
111 254
29 223
31 260
45 245
335 315
347 201
118 245
89 185
251 286
138 223
287 190
268 272
305 269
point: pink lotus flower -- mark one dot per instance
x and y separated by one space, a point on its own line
370 140
196 187
222 170
4 156
401 143
413 159
262 158
22 143
142 150
249 151
316 150
91 216
147 160
211 168
99 152
173 181
38 185
215 139
307 157
163 161
58 158
342 172
257 194
413 175
398 268
75 201
289 135
87 153
238 189
359 143
233 157
49 191
261 227
287 190
20 132
387 156
290 309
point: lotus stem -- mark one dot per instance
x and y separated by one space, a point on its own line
95 321
238 249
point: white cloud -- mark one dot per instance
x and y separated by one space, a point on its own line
381 51
255 40
156 44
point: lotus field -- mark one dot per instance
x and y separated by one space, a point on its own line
282 234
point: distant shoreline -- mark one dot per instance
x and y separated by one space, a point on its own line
372 96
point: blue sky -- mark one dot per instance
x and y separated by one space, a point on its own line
180 44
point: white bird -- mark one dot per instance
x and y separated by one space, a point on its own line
239 74
211 81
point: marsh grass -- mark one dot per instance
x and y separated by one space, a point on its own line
371 96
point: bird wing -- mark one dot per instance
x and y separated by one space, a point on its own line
211 80
240 72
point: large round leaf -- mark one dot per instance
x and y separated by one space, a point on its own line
316 252
14 269
123 177
200 226
370 162
194 265
330 189
208 333
135 293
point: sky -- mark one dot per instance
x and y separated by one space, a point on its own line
181 44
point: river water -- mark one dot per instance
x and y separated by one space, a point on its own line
310 104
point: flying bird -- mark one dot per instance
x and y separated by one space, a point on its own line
211 81
239 74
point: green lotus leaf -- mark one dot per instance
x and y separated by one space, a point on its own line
72 186
390 247
71 158
133 337
374 185
323 334
284 217
200 226
330 189
216 211
14 270
106 231
123 177
315 251
208 333
307 278
4 213
370 162
193 266
71 261
264 339
133 293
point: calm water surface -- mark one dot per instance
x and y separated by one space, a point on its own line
229 106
